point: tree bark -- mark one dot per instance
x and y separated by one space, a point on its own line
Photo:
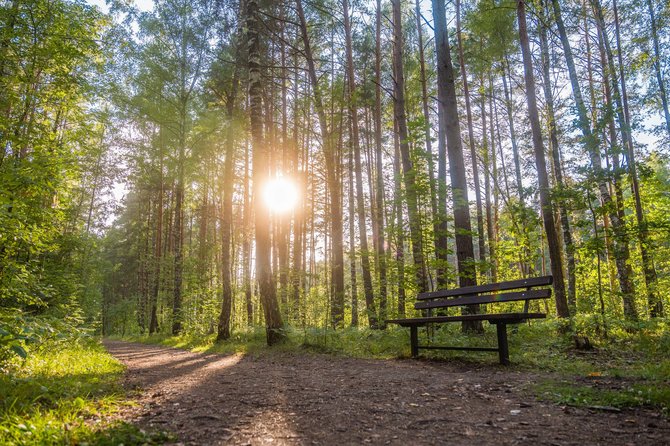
352 244
441 254
223 328
446 89
400 227
268 292
409 173
332 179
543 179
178 233
355 141
556 156
471 137
653 300
509 107
379 195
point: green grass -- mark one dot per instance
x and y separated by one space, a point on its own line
66 394
585 395
635 359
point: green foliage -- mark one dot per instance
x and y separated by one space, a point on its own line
493 33
22 334
64 393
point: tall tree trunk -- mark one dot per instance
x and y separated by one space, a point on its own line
543 179
611 262
379 195
268 292
509 107
446 89
284 221
223 328
158 248
441 254
352 244
493 228
592 145
409 173
178 233
653 300
246 242
471 137
487 178
333 181
623 118
355 141
299 211
399 229
556 156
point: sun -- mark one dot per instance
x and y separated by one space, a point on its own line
280 195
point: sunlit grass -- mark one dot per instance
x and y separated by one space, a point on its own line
66 395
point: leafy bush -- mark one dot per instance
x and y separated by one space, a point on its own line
20 334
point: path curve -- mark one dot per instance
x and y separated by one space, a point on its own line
283 398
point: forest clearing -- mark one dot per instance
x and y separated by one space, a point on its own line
334 221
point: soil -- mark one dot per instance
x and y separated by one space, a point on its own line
313 399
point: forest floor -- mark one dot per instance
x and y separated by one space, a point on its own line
306 398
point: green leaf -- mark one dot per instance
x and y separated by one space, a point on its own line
16 348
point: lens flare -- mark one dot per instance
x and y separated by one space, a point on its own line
280 195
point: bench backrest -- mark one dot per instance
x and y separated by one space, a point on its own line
472 295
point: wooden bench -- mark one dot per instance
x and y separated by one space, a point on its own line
472 295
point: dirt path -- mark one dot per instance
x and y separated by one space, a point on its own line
317 399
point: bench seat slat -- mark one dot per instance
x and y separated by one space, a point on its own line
501 286
484 299
492 318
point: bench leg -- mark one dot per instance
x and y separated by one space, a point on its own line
503 350
414 340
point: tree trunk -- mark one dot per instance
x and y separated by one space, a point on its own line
333 182
487 179
409 173
268 292
158 248
399 229
355 141
493 228
471 137
446 88
441 254
178 233
223 329
246 242
509 106
653 300
592 145
299 211
556 156
543 179
352 244
379 195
